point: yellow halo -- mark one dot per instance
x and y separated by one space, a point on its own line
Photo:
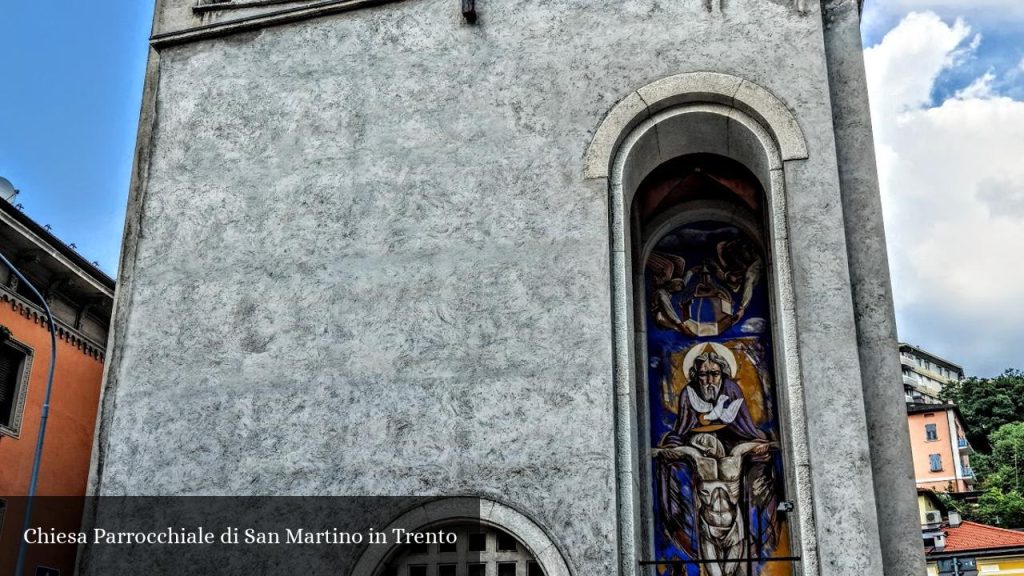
698 349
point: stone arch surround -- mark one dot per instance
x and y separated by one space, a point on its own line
701 112
469 509
703 87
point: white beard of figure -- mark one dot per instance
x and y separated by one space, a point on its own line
722 410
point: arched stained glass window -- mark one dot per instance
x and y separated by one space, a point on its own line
716 459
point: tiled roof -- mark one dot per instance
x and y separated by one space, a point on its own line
974 536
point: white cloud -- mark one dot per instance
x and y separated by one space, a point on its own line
980 89
988 11
953 193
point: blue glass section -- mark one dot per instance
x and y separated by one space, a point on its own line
716 457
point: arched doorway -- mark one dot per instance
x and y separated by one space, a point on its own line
492 539
477 550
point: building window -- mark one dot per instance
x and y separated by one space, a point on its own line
930 433
477 542
15 365
935 460
506 542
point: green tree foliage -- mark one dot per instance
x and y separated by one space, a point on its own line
1003 466
992 409
988 403
1000 508
1002 499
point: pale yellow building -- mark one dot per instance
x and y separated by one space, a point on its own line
967 548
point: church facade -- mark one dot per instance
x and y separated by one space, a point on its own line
612 272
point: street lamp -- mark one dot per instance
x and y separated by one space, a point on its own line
23 545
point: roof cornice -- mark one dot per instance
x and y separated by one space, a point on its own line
257 21
64 331
55 248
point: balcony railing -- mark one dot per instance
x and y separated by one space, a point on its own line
962 442
968 472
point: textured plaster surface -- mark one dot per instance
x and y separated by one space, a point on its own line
366 261
891 458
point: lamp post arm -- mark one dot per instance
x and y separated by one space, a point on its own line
44 415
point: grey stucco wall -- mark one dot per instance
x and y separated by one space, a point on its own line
361 258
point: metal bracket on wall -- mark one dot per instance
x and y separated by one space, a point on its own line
469 10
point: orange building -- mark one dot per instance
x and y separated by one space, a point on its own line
80 298
940 447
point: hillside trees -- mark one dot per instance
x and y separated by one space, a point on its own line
988 403
993 410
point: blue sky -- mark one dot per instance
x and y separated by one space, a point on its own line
71 76
1002 39
947 90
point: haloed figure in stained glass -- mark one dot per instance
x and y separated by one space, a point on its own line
714 434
